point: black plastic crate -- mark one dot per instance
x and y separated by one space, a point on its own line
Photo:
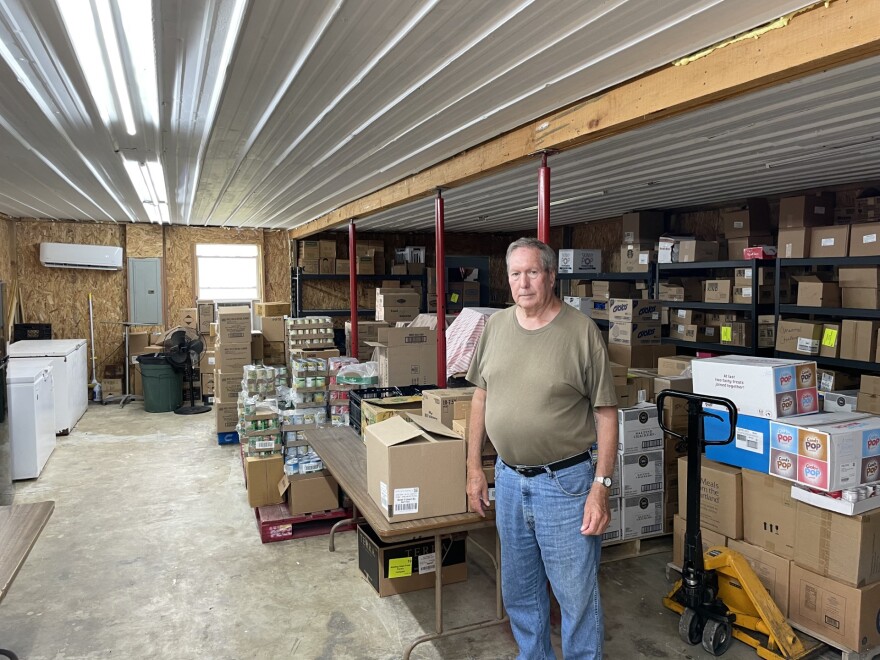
355 397
24 331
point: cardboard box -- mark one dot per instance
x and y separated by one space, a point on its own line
206 381
415 468
772 570
638 429
717 291
750 447
639 355
843 401
189 318
641 473
691 250
753 220
440 404
635 334
797 336
327 266
720 496
868 403
374 411
736 247
806 211
606 290
256 346
311 493
397 298
232 357
674 365
830 380
310 249
398 568
205 312
635 258
406 356
709 538
870 384
695 333
687 317
227 385
860 298
614 532
745 295
843 548
580 261
858 340
642 226
273 328
863 241
813 291
629 310
794 243
342 266
234 325
830 344
262 475
643 515
225 416
761 387
829 241
396 314
843 615
860 277
768 513
280 308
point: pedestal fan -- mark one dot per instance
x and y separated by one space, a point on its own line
182 348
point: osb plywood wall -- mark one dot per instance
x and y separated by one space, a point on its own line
144 241
180 272
276 265
6 270
60 295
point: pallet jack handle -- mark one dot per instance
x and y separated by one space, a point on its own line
697 411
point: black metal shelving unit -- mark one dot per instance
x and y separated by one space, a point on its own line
297 277
826 312
648 277
702 269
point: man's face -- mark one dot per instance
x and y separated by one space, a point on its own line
530 285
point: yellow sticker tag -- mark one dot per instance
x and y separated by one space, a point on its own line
829 337
726 333
453 297
398 568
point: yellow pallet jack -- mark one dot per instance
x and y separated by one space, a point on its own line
719 597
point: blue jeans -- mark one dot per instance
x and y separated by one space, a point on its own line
539 521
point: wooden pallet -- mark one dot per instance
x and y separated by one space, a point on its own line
845 654
275 523
641 547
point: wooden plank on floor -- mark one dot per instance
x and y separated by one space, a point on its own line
636 548
20 527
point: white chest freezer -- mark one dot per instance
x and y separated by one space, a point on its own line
29 385
70 371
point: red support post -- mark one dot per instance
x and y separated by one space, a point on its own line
544 201
353 287
440 272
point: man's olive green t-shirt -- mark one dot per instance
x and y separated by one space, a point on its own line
542 385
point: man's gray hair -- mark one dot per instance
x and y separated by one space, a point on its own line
548 255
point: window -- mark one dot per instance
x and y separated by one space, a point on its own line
228 272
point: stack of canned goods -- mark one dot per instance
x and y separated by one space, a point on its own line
304 463
259 381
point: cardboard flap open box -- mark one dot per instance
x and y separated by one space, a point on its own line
415 468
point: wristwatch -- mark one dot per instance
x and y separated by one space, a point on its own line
605 481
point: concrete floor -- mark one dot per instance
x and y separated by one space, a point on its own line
153 552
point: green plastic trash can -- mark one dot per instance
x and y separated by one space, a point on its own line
163 386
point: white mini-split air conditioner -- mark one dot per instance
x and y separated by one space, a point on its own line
71 255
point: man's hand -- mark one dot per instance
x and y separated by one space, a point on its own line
478 491
596 515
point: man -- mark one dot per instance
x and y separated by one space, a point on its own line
545 395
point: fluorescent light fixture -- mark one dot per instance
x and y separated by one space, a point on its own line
91 26
148 179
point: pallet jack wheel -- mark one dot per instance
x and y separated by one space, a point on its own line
690 628
717 637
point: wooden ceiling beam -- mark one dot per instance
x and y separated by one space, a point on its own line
817 39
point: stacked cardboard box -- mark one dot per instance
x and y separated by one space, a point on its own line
406 356
859 286
272 316
869 395
368 331
393 305
634 333
232 352
747 226
798 216
640 231
580 261
686 249
640 457
370 258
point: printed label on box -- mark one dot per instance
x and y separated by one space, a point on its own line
827 382
383 494
870 470
812 444
869 238
749 440
783 464
827 242
643 259
807 345
401 567
871 443
682 313
406 500
726 333
785 380
784 437
747 292
813 473
819 210
710 331
427 562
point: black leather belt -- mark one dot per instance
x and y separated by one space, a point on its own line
535 470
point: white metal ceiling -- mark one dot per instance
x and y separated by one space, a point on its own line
322 102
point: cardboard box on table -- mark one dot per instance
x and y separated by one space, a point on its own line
406 356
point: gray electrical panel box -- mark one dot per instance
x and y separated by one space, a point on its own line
145 291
